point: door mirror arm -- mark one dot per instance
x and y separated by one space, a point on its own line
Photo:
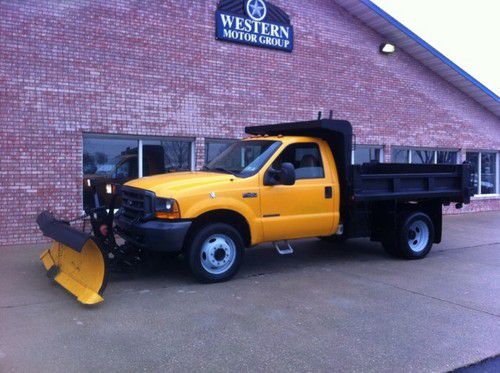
271 177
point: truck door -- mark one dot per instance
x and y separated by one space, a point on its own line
305 209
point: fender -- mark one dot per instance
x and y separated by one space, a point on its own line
228 203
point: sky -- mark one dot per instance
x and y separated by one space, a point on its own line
465 31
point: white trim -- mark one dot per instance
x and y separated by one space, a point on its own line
498 173
139 159
125 136
486 196
480 173
193 155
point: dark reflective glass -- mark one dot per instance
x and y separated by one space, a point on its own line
363 154
400 156
422 156
488 173
215 147
161 156
447 157
305 158
244 158
107 161
473 158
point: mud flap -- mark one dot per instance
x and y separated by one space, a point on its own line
75 260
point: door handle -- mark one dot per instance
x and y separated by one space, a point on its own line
328 192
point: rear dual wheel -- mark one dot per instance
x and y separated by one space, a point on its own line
215 252
413 238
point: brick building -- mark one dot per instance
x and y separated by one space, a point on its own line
100 87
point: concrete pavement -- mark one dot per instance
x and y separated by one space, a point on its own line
328 307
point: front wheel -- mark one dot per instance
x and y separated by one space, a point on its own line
413 238
215 253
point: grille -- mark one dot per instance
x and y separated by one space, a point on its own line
136 203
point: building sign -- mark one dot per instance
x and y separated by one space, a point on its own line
254 22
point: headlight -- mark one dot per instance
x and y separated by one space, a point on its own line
167 208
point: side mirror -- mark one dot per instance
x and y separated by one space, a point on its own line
284 176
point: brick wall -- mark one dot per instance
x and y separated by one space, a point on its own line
155 68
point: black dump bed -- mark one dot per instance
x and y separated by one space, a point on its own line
388 181
379 181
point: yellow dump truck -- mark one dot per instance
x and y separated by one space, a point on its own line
282 182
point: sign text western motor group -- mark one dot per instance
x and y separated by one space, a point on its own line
248 31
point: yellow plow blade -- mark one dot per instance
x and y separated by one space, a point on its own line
83 273
74 260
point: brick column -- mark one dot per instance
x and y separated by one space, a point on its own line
199 153
387 153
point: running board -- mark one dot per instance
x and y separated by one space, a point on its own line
287 251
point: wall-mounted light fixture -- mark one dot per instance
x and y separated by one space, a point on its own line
387 48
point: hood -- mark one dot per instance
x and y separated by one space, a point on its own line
168 185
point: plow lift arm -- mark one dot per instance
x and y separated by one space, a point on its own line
80 261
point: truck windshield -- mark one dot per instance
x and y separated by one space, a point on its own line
244 158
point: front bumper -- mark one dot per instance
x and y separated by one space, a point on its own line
154 235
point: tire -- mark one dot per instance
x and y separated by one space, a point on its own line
215 253
414 237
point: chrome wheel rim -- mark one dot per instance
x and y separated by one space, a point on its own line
218 254
418 236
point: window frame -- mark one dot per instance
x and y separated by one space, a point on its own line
364 146
434 150
140 142
478 193
304 143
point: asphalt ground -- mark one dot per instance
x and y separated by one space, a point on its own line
328 307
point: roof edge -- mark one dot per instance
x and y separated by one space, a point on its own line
382 13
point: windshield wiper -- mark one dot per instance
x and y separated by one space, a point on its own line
219 169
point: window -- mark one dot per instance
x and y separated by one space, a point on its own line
109 159
244 158
213 147
306 159
485 176
447 157
366 154
160 156
424 156
401 156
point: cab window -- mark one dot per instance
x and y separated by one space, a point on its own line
305 157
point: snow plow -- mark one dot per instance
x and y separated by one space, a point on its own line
80 260
75 260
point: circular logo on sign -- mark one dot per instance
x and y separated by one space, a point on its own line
256 9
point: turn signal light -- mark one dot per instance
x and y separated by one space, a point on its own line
167 208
